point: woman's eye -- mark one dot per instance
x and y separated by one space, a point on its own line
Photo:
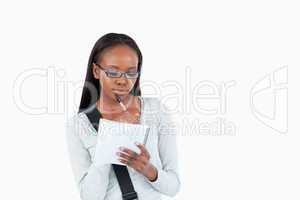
113 73
132 74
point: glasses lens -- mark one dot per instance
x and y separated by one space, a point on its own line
132 75
113 74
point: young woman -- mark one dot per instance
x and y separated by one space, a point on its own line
112 91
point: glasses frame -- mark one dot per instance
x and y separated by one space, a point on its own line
125 74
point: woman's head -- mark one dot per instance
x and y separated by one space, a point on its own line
111 54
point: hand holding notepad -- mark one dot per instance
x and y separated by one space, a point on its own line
112 135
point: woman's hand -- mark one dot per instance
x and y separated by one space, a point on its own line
139 162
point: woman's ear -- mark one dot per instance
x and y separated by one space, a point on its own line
96 71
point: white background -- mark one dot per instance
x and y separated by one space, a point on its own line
218 41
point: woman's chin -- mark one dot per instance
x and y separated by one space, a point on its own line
120 95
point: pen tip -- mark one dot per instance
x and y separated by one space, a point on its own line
118 98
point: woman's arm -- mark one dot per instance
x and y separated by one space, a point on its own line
168 181
91 180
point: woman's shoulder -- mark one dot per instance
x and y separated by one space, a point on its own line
156 104
152 101
76 122
166 117
156 107
75 118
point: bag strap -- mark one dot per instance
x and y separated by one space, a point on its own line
121 171
126 186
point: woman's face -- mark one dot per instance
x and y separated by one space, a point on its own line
118 58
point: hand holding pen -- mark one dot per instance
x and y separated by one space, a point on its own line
139 162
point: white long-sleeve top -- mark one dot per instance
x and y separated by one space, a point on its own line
99 182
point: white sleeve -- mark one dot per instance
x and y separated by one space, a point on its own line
168 181
91 180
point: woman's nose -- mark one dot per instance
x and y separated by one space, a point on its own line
121 81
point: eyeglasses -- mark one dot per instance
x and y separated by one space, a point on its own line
118 74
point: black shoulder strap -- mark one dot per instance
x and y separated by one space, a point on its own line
121 172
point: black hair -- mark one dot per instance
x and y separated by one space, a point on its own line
92 88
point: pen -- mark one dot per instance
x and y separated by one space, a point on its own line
146 136
121 103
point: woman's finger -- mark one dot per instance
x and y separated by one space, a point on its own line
128 151
125 161
135 164
143 149
124 156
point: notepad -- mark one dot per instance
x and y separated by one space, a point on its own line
112 135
